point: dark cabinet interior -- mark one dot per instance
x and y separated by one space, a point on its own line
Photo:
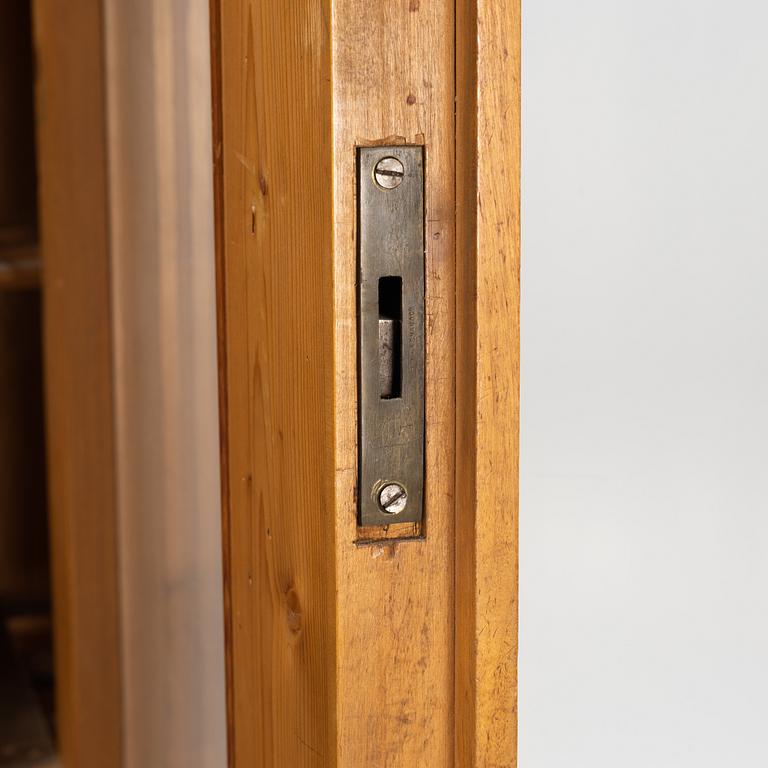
27 722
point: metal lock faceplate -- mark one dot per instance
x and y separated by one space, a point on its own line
390 208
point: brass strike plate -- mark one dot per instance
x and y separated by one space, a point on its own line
390 318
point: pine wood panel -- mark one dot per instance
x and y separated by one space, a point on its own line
71 135
277 355
393 81
487 407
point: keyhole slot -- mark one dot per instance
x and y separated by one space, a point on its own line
390 337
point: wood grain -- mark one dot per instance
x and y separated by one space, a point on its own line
393 81
277 354
71 135
487 407
370 679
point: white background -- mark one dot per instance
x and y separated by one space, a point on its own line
644 518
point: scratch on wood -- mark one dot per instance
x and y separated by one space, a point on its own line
247 163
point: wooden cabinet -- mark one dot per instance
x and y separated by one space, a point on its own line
393 645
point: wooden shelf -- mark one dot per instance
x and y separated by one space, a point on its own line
19 266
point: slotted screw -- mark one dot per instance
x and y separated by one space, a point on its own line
392 498
388 172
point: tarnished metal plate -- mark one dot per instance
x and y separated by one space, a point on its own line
390 195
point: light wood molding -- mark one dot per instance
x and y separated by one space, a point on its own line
488 386
351 647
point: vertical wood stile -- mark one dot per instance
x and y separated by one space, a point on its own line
393 82
274 169
487 407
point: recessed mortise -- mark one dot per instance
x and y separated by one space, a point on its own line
390 337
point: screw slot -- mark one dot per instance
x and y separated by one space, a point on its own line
388 172
393 498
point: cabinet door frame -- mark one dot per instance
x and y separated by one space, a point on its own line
79 378
347 646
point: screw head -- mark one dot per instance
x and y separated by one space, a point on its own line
392 498
388 172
